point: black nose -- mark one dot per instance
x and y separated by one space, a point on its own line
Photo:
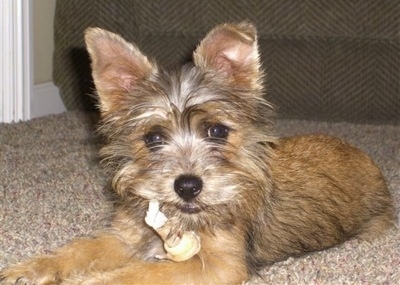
188 186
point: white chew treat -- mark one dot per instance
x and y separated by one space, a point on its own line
178 248
154 217
188 247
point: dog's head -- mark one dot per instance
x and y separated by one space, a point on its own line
195 138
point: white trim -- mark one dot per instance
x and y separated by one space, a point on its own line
16 71
46 100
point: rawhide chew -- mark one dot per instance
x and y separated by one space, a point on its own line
178 247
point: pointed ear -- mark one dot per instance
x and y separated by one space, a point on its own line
117 66
231 50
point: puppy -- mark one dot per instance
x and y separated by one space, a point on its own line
198 141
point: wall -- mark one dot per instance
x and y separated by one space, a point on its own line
43 45
45 99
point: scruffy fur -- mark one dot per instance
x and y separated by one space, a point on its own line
258 199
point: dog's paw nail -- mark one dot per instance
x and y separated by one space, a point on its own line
4 280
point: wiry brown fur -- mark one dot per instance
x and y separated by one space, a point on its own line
261 200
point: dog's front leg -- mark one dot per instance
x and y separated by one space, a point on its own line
101 253
220 270
220 261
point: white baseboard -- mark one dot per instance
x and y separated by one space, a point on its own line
46 100
15 60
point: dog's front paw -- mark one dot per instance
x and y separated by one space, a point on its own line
34 272
12 280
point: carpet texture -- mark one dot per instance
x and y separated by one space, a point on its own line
52 189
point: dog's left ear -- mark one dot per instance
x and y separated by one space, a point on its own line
231 51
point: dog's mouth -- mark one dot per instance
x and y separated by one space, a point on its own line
189 208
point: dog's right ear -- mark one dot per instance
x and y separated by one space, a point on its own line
117 66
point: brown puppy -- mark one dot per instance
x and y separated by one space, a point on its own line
197 139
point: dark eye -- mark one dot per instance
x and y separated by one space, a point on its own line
218 131
154 140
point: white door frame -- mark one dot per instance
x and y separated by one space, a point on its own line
16 61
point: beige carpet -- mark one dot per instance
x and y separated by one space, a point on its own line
52 189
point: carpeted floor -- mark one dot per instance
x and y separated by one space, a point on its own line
52 189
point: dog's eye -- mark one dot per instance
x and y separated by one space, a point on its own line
218 131
154 140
